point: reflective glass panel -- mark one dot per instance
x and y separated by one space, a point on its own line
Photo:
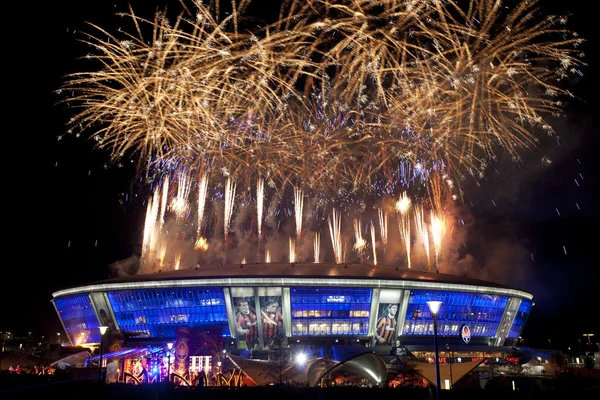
482 312
520 319
159 312
330 311
79 318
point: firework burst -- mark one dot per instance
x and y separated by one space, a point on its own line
349 100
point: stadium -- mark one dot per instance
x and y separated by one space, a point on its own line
240 314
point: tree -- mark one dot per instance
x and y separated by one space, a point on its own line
407 374
278 362
588 362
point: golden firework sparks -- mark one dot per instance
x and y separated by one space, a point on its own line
402 207
229 201
202 191
292 250
373 242
260 197
298 206
317 246
335 231
337 95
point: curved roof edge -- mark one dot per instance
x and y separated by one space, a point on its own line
298 274
368 364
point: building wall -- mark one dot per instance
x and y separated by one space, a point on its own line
301 312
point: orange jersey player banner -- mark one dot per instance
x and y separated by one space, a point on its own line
272 321
246 322
385 329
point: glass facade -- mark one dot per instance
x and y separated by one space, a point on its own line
159 312
481 312
330 311
284 312
79 318
520 319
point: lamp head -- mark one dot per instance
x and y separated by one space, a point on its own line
103 330
434 306
301 358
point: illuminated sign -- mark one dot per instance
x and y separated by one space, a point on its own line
336 299
465 333
210 302
200 363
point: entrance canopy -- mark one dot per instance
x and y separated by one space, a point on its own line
121 354
368 365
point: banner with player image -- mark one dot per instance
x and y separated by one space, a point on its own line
112 338
246 322
385 329
272 321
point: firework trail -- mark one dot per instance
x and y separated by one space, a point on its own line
383 226
260 197
422 231
335 232
162 252
180 203
229 201
292 250
402 207
317 246
359 242
373 241
164 201
151 232
438 230
177 261
298 205
202 192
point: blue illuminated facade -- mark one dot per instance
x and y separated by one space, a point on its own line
482 312
330 311
319 306
159 312
78 318
520 319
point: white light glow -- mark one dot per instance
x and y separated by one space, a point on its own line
434 306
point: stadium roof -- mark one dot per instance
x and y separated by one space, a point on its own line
305 270
298 274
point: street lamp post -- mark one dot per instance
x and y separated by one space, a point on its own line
451 351
169 346
102 332
588 335
434 307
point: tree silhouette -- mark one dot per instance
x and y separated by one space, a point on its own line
278 362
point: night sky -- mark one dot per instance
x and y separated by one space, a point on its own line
535 227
